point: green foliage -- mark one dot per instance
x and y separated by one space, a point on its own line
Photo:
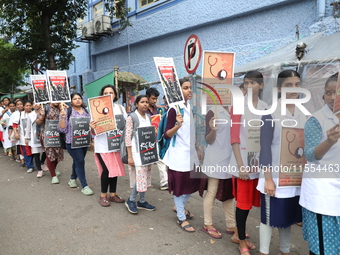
45 30
11 69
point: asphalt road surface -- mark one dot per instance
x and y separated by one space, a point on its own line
37 217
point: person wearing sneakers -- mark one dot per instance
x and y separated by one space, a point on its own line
182 156
77 110
109 163
140 176
19 127
32 139
53 154
152 94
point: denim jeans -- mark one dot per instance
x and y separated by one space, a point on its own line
180 203
134 194
78 165
28 159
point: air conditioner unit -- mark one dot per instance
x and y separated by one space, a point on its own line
87 30
102 24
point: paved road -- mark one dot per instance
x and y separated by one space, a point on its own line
40 218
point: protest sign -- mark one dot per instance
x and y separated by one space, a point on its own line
147 145
81 136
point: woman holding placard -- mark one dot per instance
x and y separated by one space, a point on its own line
109 163
140 175
32 140
320 189
244 187
68 120
49 116
280 201
182 156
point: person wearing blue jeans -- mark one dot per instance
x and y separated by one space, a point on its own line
28 158
76 111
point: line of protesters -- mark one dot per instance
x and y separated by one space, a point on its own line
315 203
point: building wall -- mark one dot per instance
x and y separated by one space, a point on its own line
250 28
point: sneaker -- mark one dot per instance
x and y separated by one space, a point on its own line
131 206
40 174
164 187
145 206
72 183
44 167
57 173
55 180
104 202
87 191
30 170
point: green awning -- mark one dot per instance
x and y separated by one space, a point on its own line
92 89
14 96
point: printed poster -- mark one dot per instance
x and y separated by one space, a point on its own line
218 70
52 136
147 145
40 89
81 136
169 79
113 136
336 107
292 159
101 109
36 136
155 120
59 87
253 148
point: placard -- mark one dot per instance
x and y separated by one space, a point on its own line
218 70
292 159
51 134
101 109
113 136
169 79
253 147
147 145
40 89
155 120
81 136
36 137
58 86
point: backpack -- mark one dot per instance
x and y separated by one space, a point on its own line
122 149
163 144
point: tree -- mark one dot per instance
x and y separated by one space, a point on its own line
45 30
11 69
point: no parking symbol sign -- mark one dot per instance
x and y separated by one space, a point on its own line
192 53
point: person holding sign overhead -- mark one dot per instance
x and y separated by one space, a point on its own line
140 175
244 188
320 189
182 157
47 119
279 206
109 163
74 122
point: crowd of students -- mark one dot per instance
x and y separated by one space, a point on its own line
315 203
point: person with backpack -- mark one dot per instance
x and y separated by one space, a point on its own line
54 155
109 163
140 176
152 94
181 157
76 110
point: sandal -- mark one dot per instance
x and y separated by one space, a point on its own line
250 245
185 228
214 233
243 250
188 215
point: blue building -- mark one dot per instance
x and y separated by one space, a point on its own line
160 28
